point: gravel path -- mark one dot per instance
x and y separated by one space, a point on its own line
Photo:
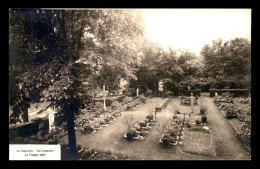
227 144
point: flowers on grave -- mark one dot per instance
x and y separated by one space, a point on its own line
97 125
140 131
142 123
176 122
107 119
197 122
175 117
102 122
127 100
131 134
167 139
111 118
87 129
64 126
203 110
157 109
115 104
150 117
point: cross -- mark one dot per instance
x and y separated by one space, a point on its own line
191 101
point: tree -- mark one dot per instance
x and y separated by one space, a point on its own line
229 63
63 50
128 119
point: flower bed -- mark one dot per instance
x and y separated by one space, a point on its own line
172 132
140 130
240 109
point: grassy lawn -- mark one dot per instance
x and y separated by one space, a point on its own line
198 142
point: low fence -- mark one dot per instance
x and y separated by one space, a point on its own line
235 92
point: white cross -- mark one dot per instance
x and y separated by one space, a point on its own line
191 101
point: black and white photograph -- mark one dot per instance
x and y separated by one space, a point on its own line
138 84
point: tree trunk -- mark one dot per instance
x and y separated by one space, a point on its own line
71 109
154 85
71 131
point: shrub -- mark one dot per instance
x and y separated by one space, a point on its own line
131 134
235 92
142 124
88 129
99 105
148 92
157 109
167 93
230 113
64 125
97 125
127 99
204 119
202 111
175 117
197 121
115 104
109 102
142 99
121 98
168 139
149 117
102 122
107 119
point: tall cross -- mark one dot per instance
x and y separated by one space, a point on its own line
191 102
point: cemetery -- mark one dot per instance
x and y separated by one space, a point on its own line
96 86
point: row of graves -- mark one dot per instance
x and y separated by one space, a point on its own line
173 130
238 112
164 105
93 119
141 129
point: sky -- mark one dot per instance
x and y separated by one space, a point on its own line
193 28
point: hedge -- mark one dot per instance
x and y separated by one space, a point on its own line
235 92
195 92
